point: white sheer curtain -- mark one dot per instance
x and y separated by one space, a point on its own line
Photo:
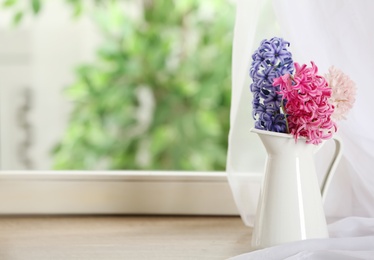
334 32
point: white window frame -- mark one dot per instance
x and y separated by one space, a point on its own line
116 192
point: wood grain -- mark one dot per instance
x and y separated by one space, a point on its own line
122 237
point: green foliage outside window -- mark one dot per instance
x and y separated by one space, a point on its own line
158 94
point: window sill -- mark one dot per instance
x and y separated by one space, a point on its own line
116 192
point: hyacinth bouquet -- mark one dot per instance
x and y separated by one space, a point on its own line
292 98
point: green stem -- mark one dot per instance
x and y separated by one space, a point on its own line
285 116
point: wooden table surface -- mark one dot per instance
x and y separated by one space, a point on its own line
122 237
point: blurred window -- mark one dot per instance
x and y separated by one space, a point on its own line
139 85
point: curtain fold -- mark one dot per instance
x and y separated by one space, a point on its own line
246 156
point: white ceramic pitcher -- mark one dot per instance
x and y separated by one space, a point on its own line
290 206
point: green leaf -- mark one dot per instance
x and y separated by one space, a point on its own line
9 3
17 17
78 9
35 5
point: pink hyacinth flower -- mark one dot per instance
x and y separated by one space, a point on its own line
307 104
343 92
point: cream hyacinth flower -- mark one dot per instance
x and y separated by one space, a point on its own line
343 92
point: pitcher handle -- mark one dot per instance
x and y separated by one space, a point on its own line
332 168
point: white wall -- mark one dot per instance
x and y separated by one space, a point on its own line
40 55
15 74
